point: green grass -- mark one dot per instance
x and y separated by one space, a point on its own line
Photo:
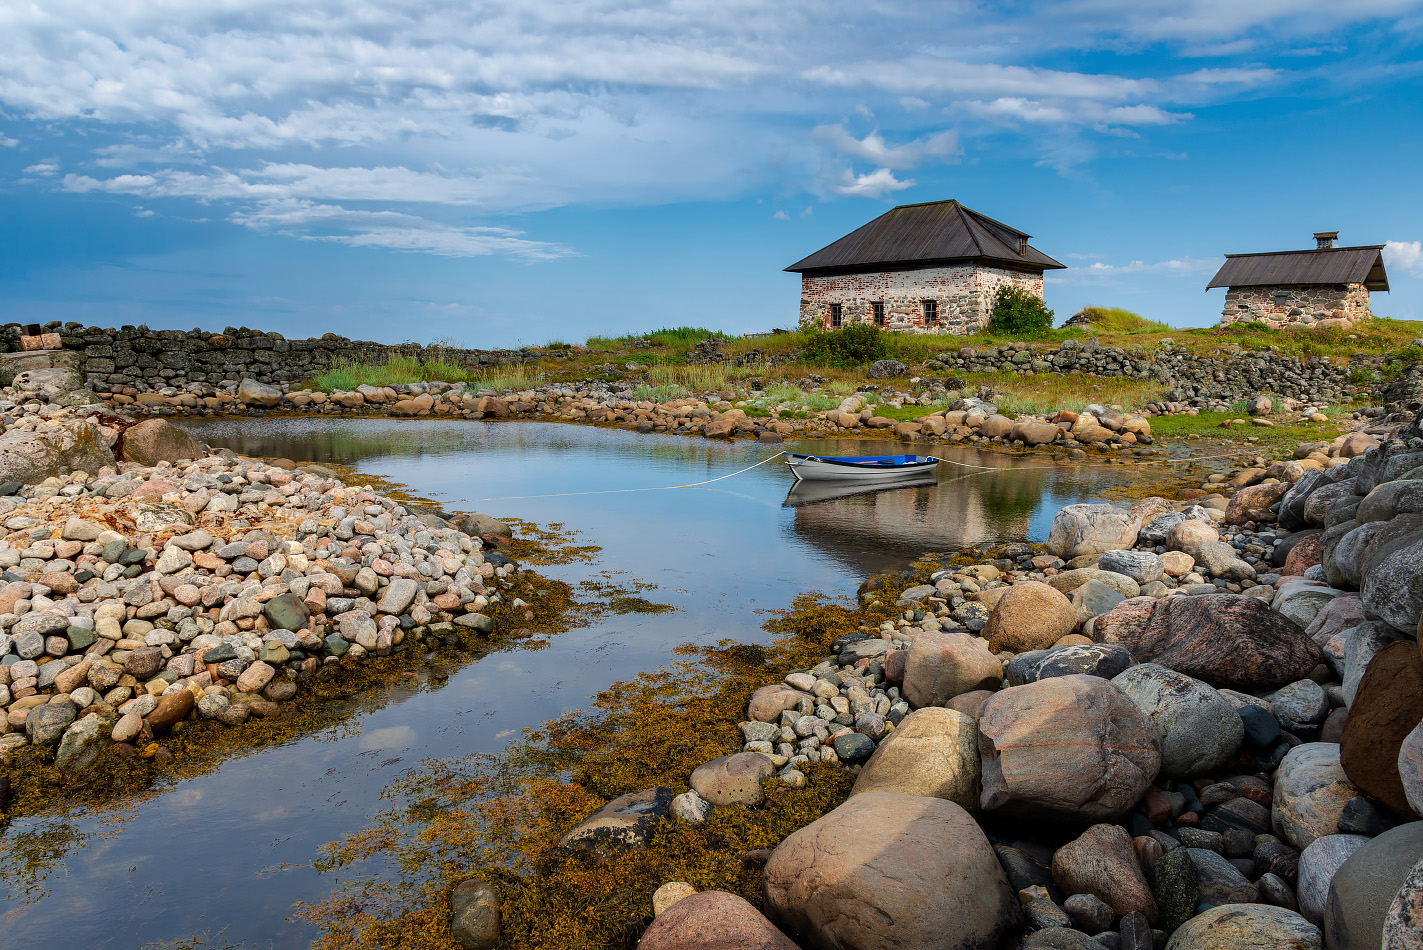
1117 320
397 370
671 337
507 377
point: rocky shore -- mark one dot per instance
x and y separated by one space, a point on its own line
144 581
1192 724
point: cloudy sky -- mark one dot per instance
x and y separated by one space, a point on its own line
497 174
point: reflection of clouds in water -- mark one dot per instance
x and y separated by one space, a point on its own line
392 737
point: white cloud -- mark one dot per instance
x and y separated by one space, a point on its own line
7 142
391 229
781 216
875 184
943 146
42 168
1405 256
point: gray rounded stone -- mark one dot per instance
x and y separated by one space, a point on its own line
1199 729
1317 866
1247 927
1141 566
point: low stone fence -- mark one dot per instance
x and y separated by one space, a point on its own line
151 359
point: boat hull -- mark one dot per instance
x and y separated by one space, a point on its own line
887 468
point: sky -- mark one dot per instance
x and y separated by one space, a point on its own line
504 174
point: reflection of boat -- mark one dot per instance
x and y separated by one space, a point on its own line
810 492
859 468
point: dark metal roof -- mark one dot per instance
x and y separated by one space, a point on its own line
1335 265
929 233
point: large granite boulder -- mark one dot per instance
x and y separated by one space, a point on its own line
885 871
942 665
1141 566
1403 925
933 753
1030 616
1393 586
1410 768
1361 645
1092 529
255 393
1247 927
1311 791
1199 729
158 440
31 457
713 920
768 702
1387 707
1228 640
1317 866
1071 748
1366 884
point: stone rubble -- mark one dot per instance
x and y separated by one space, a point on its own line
135 596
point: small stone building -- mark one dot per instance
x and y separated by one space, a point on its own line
1328 286
922 268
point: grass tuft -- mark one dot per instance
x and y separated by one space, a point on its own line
397 369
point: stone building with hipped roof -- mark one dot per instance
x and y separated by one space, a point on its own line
923 268
1325 286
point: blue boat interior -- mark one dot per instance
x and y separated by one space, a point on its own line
887 461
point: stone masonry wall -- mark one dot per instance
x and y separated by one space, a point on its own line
150 359
1324 305
964 294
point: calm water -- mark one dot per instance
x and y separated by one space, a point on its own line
221 855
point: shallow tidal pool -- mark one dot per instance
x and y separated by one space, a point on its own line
223 856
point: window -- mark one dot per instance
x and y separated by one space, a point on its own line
834 314
931 313
877 311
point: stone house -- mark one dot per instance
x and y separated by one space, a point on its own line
921 268
1327 286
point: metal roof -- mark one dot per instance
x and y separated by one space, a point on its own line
1334 265
920 234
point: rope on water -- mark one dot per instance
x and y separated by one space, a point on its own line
617 491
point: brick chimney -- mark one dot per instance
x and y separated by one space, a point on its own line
1324 240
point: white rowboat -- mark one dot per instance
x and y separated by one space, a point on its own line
871 468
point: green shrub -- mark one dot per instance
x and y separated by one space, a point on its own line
1018 312
848 347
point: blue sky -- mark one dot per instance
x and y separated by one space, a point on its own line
503 174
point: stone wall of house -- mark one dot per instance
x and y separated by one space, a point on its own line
1322 305
137 357
963 294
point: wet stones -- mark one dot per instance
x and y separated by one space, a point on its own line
626 821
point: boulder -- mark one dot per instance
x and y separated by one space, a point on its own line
836 883
1317 865
1304 555
31 457
1030 616
1141 566
1218 881
157 440
1093 599
1221 560
52 382
1069 581
1198 728
768 702
1034 433
887 369
713 920
1311 791
933 753
253 393
1403 925
733 779
1093 659
1346 555
1190 535
475 918
45 725
1393 585
1092 529
82 743
1071 748
1361 645
624 822
1247 927
942 665
1340 614
1227 640
1103 863
1253 503
1366 884
1301 600
1386 708
1410 768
